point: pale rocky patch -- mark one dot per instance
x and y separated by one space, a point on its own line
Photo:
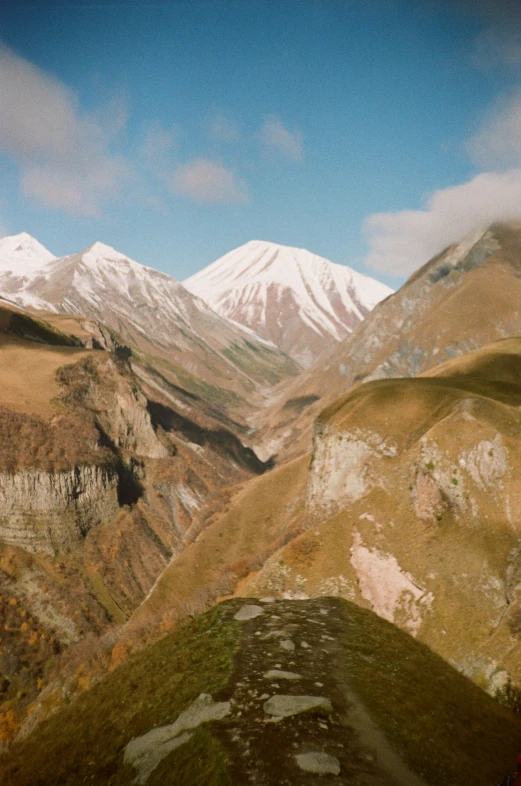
318 762
339 469
277 674
146 752
282 706
386 587
248 612
487 462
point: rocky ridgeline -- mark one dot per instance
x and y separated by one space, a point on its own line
289 715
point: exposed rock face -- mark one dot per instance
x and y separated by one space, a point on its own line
49 512
114 398
341 464
414 504
146 752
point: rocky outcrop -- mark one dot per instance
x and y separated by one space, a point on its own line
111 394
341 465
49 512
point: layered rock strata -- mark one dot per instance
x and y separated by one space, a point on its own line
50 511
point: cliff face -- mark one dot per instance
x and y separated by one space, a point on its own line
67 472
101 477
344 465
414 508
50 512
108 391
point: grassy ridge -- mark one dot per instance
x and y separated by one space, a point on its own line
445 728
84 743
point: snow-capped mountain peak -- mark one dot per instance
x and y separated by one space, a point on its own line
24 248
295 298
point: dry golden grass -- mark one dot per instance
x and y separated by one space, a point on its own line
66 323
455 431
262 515
28 374
404 409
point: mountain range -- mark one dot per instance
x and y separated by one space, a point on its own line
301 302
148 310
384 475
465 297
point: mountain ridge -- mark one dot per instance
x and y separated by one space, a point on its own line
463 298
361 701
187 343
295 298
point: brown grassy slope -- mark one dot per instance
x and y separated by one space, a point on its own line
447 308
258 518
28 372
84 743
414 485
36 431
61 407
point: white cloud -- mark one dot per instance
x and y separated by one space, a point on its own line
206 181
276 136
402 241
63 153
222 129
498 143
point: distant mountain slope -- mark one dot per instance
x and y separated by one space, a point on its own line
413 721
101 476
465 297
412 510
298 300
199 351
409 506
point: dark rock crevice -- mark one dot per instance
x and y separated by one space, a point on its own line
129 488
220 440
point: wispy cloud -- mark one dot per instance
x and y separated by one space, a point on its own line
275 136
497 144
499 42
207 181
63 153
402 241
223 129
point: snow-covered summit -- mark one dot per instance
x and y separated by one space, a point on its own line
100 254
23 255
295 298
24 248
23 260
107 285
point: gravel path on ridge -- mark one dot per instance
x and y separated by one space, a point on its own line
293 649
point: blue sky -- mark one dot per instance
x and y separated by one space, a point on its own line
373 132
